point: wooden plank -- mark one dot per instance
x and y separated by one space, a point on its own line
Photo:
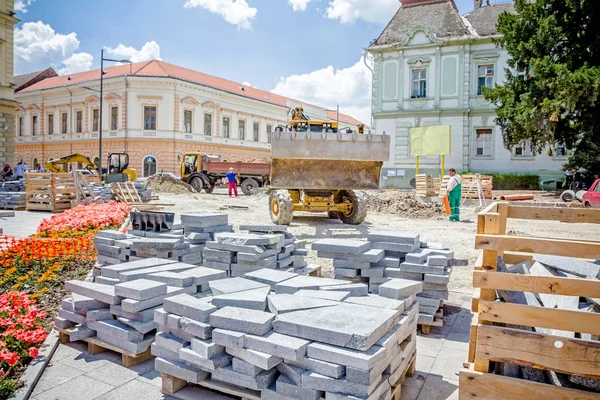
129 361
537 284
223 387
492 208
570 215
553 353
516 258
557 247
476 297
171 384
517 314
473 337
483 386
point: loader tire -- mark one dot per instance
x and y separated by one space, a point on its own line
248 185
197 184
281 207
333 214
358 213
210 189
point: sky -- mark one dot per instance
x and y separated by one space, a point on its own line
310 50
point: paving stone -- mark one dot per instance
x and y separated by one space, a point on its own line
116 329
195 328
133 306
231 339
81 387
427 301
81 332
341 246
71 316
285 262
246 239
127 276
250 249
271 394
370 256
203 275
348 357
269 277
63 323
263 228
207 348
108 250
287 387
140 289
293 373
394 237
104 241
234 285
172 278
397 247
143 316
346 273
338 325
242 320
142 327
312 380
218 255
291 286
417 257
103 293
217 265
242 367
204 220
438 279
211 364
377 302
99 315
189 306
373 272
155 244
551 300
260 359
132 347
112 234
106 281
170 342
279 345
355 289
338 263
258 382
238 270
421 268
321 367
285 303
179 370
255 299
325 295
388 262
160 316
266 262
437 261
573 266
399 288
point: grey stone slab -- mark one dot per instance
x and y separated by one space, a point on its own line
338 263
551 300
204 220
427 301
293 373
112 234
132 347
160 316
210 364
244 256
249 249
291 286
104 241
373 272
260 359
180 370
437 261
242 367
81 387
388 262
96 291
67 304
143 316
108 250
172 278
400 288
266 262
238 270
189 306
269 276
338 325
325 295
573 266
155 244
377 302
421 268
81 332
437 279
321 367
203 275
217 265
246 239
341 273
140 289
258 382
255 299
285 303
263 228
218 255
196 328
234 285
242 320
287 387
207 348
396 247
520 268
71 316
417 257
284 262
231 339
63 323
355 289
370 256
116 329
288 347
127 276
133 306
170 342
394 237
341 246
312 380
348 357
142 327
106 281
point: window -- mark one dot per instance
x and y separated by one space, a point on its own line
114 118
486 78
63 122
483 142
561 151
241 130
256 127
187 121
95 119
225 127
523 150
79 121
208 124
149 164
50 124
34 125
150 118
21 126
419 88
269 130
522 74
191 165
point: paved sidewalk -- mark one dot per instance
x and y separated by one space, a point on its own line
74 374
24 223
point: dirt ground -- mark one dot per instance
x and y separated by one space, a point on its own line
434 227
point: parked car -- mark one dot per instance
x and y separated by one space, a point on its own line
591 199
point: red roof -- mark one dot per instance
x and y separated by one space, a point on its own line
163 69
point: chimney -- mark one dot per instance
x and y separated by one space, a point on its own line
478 3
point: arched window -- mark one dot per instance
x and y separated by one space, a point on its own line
149 166
35 164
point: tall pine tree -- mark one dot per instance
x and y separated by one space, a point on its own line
551 95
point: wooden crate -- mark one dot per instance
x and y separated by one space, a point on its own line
520 346
49 191
424 185
469 186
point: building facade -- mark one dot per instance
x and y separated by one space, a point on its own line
7 100
155 112
430 66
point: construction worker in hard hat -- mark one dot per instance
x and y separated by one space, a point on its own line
454 190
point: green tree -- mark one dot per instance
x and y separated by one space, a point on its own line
552 88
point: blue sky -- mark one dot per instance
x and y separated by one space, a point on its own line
305 46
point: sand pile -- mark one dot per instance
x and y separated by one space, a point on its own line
166 184
404 204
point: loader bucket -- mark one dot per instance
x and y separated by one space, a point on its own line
331 161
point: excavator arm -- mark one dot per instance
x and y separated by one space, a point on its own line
57 164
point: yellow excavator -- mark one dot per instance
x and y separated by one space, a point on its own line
117 166
317 168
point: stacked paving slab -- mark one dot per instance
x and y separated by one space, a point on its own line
120 310
264 246
389 255
12 195
291 336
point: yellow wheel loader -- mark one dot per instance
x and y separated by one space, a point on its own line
316 168
118 163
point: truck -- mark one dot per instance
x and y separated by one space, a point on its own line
204 172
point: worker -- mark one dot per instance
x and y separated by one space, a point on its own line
20 170
232 182
454 190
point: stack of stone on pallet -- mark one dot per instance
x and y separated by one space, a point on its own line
12 195
118 309
265 246
144 192
291 336
387 255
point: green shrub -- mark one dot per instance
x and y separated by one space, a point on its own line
513 181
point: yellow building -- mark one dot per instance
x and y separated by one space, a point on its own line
7 100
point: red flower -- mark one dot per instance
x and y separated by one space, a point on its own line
33 352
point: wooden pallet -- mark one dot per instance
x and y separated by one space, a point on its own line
469 187
172 386
126 192
49 191
96 346
410 371
497 343
424 185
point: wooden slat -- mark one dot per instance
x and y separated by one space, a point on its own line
517 314
571 215
516 258
473 337
537 284
557 247
554 353
482 386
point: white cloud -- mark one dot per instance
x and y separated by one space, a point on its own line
376 11
350 88
299 5
38 46
21 5
248 84
149 51
236 12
